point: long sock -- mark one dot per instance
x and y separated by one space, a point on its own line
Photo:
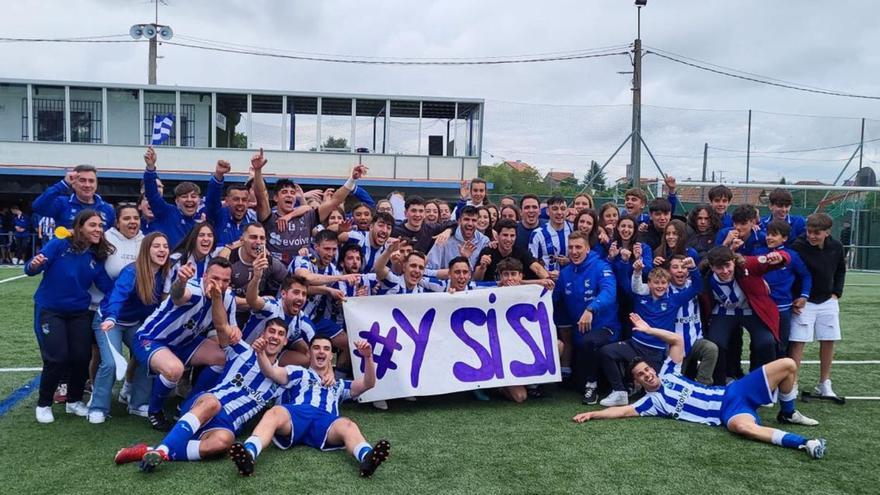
192 450
176 440
254 445
786 401
162 388
361 450
207 379
788 440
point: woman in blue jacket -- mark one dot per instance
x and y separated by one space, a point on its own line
61 305
136 293
622 252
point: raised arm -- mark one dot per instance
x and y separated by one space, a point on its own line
180 295
672 339
275 373
151 186
226 333
261 194
46 204
339 196
252 293
380 266
214 196
367 381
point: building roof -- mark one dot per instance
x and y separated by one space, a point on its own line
517 165
558 176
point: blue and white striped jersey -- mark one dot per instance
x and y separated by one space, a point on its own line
176 262
687 320
350 290
546 242
369 254
243 390
395 284
178 325
432 284
681 398
730 300
299 326
318 307
305 388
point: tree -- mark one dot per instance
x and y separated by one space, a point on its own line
595 178
239 140
506 180
568 187
782 180
334 143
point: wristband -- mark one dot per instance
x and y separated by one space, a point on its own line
350 184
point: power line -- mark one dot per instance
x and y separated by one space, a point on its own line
762 81
87 39
807 150
364 61
241 46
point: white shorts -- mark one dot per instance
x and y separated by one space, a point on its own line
819 321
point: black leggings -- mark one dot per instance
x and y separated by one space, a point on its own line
66 346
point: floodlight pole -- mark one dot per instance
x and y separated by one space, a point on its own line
636 142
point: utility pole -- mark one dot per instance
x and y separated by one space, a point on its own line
703 189
636 140
749 146
152 32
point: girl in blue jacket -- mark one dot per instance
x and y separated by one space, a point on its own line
61 306
136 293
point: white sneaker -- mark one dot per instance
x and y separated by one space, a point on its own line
824 389
796 418
142 411
125 392
44 415
77 408
96 417
380 405
616 398
815 447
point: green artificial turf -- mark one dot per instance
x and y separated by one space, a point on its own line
455 444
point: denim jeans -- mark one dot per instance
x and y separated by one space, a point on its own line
106 374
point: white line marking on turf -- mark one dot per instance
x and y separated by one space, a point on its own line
13 370
862 398
11 279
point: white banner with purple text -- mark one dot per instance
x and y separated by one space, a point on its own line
438 343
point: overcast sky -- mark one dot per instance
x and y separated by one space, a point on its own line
554 115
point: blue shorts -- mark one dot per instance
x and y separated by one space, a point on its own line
746 395
308 426
221 421
327 328
144 349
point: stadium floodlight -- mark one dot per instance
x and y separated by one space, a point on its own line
136 31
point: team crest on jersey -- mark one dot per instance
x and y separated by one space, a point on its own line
190 324
45 328
663 306
238 381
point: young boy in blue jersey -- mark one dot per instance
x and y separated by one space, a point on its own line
669 394
174 220
372 242
308 413
549 242
780 209
659 307
586 294
783 281
700 354
720 197
744 237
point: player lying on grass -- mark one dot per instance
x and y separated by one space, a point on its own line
671 395
213 418
309 412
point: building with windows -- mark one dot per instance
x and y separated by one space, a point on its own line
408 142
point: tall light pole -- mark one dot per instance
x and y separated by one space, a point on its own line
636 137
